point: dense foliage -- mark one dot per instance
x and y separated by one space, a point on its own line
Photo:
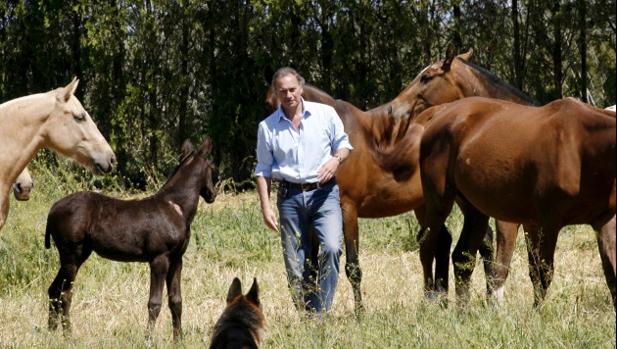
156 72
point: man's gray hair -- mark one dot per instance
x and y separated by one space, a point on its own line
284 72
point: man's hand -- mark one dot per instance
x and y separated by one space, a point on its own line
327 171
263 189
270 219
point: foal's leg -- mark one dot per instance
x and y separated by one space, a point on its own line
506 241
158 271
541 250
174 295
606 245
60 290
464 254
54 292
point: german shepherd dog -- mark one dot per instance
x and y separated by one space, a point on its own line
242 321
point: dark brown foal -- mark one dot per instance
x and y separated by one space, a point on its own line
155 230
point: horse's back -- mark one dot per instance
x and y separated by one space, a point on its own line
70 217
514 152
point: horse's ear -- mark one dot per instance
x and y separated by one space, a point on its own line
466 56
206 146
253 295
450 55
235 290
271 99
67 91
187 148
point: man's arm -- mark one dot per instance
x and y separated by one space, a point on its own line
263 189
340 142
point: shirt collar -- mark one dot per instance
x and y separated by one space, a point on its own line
306 113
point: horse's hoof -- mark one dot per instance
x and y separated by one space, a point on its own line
437 297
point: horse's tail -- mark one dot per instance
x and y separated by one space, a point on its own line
47 236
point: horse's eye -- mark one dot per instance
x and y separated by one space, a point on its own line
79 117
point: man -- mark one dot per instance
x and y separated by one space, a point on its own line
301 145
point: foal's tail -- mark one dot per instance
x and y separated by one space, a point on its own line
47 236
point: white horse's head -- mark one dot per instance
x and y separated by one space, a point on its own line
69 130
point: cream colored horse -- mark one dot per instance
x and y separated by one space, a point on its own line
55 120
23 185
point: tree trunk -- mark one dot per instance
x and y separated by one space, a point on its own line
557 48
582 47
185 84
457 41
518 64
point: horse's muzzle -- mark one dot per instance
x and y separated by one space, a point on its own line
21 194
104 166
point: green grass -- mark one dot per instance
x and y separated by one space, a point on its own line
229 239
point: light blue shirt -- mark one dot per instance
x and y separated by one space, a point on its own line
296 155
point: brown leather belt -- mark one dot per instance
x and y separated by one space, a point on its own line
305 186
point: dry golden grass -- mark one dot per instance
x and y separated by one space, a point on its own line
229 239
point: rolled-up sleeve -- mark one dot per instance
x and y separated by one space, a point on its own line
264 152
339 137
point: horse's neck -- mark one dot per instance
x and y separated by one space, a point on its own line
474 83
21 124
182 190
313 94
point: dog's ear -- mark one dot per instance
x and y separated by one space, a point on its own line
253 295
235 290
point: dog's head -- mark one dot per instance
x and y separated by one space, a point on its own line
240 309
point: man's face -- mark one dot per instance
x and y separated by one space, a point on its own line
288 91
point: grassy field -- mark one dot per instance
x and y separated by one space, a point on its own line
229 239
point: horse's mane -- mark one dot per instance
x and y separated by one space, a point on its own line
499 83
175 171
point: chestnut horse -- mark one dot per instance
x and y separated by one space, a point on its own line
23 185
155 230
55 120
443 82
380 177
436 85
545 167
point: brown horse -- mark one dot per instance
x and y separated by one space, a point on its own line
155 230
546 167
242 321
380 178
23 186
55 120
443 82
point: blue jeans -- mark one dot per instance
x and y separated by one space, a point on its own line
303 213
